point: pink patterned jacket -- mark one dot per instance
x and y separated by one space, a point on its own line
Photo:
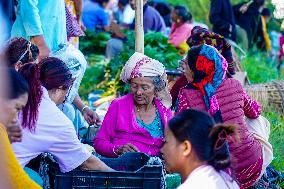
234 104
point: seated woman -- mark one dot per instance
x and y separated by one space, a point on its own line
16 178
201 36
45 127
198 150
224 98
74 107
181 28
20 51
135 122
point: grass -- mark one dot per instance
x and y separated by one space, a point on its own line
261 69
276 138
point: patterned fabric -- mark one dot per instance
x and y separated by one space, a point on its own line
70 6
140 65
201 35
271 179
155 128
214 67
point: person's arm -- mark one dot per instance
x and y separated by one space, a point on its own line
251 108
102 143
44 51
31 20
67 149
94 163
116 32
78 5
182 102
180 82
90 116
215 16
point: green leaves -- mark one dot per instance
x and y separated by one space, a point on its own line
106 75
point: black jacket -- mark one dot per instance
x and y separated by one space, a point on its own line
221 17
250 21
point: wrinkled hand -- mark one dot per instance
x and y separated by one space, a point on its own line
126 148
114 27
91 117
14 133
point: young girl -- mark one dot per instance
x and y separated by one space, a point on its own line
198 150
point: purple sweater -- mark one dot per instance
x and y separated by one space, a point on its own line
234 104
120 127
152 20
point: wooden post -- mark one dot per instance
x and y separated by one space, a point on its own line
139 31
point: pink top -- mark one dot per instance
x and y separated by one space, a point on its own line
120 127
179 34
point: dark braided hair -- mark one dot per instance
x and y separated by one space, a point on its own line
20 49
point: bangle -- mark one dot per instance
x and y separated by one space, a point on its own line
84 108
113 150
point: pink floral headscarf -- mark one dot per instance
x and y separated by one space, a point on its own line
140 65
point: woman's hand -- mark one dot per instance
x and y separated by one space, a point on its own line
126 148
44 51
14 133
91 117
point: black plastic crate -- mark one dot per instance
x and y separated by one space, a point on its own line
132 173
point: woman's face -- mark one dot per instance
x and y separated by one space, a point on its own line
58 95
186 69
174 16
143 90
172 152
12 109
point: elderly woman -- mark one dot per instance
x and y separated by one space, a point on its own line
136 122
209 89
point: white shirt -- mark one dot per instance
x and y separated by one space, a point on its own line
128 15
206 177
54 134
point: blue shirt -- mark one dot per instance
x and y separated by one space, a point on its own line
41 17
94 16
155 128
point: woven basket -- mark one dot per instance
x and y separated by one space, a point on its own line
238 66
269 95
